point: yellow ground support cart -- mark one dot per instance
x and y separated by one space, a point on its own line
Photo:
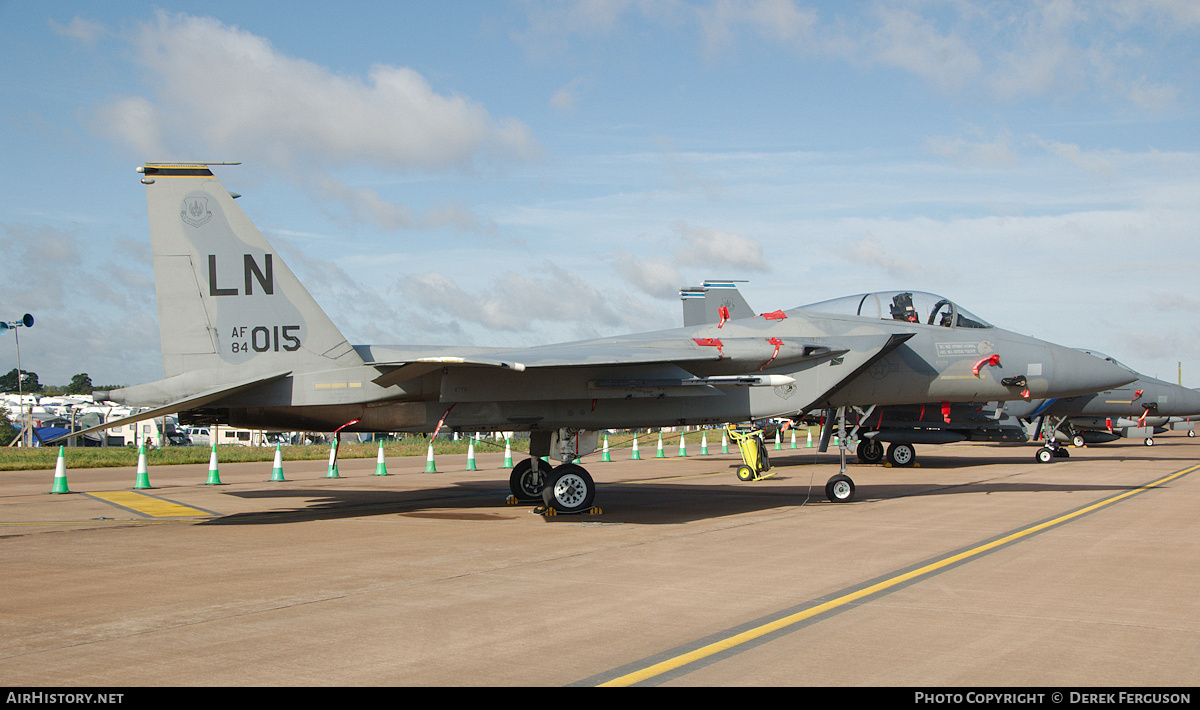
755 461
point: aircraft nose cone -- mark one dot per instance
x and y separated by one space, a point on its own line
1077 373
1186 402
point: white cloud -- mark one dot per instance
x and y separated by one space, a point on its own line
249 101
565 98
995 153
778 20
1092 162
711 248
911 42
651 275
1155 96
870 251
83 302
365 205
521 303
84 31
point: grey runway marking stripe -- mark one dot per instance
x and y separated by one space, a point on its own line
685 659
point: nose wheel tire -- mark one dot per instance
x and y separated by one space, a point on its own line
840 489
569 489
1044 455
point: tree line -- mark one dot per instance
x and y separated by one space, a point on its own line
80 384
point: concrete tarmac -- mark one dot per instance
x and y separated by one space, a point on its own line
979 567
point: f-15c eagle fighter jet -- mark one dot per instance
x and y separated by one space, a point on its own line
244 343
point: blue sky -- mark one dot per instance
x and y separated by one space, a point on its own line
508 173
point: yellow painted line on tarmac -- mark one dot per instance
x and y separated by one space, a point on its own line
757 632
93 522
149 506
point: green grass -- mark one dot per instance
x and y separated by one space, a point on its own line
100 457
14 459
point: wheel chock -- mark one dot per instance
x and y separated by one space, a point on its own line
551 512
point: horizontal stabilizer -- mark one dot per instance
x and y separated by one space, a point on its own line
191 402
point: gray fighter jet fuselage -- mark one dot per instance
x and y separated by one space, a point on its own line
244 343
1141 406
873 423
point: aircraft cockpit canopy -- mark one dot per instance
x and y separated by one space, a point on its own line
908 306
1102 356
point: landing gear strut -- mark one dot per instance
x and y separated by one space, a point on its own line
567 488
526 483
870 451
839 488
1051 450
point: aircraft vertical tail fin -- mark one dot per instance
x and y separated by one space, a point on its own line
226 300
702 305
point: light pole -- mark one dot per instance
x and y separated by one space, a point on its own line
27 321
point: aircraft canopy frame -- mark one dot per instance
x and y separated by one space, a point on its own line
909 306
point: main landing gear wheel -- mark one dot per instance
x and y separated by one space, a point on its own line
1077 441
840 489
870 451
526 487
1044 455
901 454
569 489
1149 441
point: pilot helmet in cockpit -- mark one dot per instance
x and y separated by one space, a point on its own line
902 308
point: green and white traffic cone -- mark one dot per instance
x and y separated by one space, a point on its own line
429 465
60 474
277 469
682 447
508 463
143 474
606 456
333 472
214 475
793 438
635 456
704 444
809 445
724 443
471 455
660 454
380 462
777 446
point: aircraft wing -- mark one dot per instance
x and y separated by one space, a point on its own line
894 341
191 402
732 356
